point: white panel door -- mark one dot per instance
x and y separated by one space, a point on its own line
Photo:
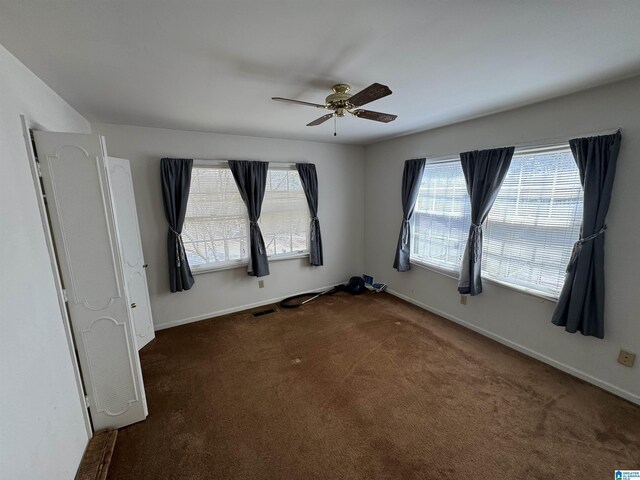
79 203
135 276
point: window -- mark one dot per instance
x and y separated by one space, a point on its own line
530 231
216 227
442 216
284 220
534 221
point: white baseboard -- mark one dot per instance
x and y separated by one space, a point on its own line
226 311
633 398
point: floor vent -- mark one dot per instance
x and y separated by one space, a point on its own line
264 311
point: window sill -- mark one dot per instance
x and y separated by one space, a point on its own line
454 275
434 268
243 263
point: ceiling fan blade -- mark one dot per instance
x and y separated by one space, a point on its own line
369 94
376 116
299 102
320 120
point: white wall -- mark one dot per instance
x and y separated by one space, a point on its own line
42 429
517 319
341 212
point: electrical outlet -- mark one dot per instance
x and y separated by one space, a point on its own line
626 358
463 299
260 283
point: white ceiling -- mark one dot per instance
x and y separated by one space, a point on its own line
214 65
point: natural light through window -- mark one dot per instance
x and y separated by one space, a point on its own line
216 227
441 217
531 228
534 221
285 219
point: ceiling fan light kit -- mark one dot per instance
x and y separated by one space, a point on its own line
342 102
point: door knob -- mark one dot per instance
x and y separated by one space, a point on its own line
133 305
145 265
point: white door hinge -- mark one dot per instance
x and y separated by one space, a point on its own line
64 295
86 401
39 169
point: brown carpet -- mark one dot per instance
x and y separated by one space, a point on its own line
366 387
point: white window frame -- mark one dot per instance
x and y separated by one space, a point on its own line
231 264
455 274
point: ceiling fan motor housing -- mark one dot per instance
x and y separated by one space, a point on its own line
338 100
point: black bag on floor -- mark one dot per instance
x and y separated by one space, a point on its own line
355 286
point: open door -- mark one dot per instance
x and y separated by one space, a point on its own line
82 221
135 276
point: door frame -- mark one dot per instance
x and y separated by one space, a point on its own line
27 126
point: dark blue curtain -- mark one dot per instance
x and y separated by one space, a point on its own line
309 179
251 180
484 172
411 178
580 307
175 174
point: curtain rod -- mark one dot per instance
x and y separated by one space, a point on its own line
214 161
550 142
542 143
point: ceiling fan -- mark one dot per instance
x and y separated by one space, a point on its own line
342 102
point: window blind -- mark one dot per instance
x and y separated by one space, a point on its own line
216 227
216 224
534 221
441 217
285 219
530 231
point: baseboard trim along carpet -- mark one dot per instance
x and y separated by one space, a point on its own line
226 311
631 397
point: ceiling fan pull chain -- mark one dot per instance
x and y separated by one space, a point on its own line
335 134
